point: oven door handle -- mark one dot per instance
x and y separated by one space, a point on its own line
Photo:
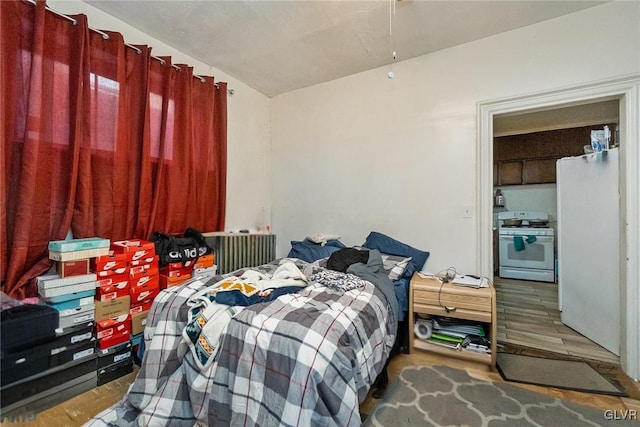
524 236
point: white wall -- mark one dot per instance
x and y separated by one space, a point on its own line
532 197
398 156
248 184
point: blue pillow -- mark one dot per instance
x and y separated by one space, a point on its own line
388 245
310 252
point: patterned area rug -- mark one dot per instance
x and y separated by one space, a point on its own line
443 396
612 372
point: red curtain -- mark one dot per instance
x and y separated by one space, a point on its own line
101 139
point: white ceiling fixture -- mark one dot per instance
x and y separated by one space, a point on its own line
279 46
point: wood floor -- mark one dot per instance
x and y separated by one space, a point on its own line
527 315
80 409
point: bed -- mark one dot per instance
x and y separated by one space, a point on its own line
306 355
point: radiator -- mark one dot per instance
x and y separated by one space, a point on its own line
239 250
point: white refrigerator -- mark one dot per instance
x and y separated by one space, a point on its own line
589 246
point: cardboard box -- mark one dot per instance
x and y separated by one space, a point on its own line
112 308
205 261
115 354
115 280
142 293
143 278
180 265
209 271
83 351
66 289
115 371
51 281
74 255
74 303
135 249
109 265
70 296
76 316
72 268
176 272
138 322
109 327
81 333
73 245
167 282
115 339
111 292
138 307
150 260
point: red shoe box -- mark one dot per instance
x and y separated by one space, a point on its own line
135 249
119 338
205 261
110 265
176 272
112 326
113 280
180 265
147 291
141 277
139 307
150 261
72 268
113 331
110 292
167 282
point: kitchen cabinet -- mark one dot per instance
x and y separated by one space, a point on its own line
531 158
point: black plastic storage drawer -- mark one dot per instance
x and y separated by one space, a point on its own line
21 364
44 381
27 325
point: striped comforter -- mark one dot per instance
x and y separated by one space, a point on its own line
303 359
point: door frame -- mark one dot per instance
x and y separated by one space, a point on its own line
627 90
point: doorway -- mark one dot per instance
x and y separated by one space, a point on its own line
627 91
526 148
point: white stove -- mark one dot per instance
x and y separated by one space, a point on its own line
526 251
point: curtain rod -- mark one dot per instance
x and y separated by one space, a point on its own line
105 36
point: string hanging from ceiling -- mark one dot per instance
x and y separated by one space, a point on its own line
392 16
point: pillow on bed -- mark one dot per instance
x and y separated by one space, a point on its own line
394 265
309 251
388 245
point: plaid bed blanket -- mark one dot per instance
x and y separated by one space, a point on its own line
303 359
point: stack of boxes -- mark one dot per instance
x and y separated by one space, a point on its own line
131 276
205 265
113 323
94 312
176 273
40 370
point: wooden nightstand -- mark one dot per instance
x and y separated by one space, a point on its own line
430 297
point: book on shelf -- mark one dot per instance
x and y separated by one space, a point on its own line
445 337
449 344
476 349
457 327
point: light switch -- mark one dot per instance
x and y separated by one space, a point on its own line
467 212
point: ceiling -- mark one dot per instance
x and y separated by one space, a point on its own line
279 46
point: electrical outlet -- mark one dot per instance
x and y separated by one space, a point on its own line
467 212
